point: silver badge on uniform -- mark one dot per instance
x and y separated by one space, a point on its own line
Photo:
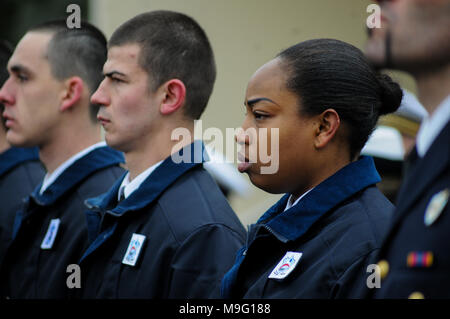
134 249
49 239
436 206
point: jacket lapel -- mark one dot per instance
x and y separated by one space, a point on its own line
156 183
294 222
424 173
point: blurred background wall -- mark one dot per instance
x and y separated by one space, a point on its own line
244 34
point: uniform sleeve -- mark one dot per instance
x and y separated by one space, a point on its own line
202 260
353 282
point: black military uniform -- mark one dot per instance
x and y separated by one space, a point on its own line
318 248
173 237
50 230
20 172
415 258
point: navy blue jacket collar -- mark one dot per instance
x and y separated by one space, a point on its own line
95 160
159 180
295 221
15 156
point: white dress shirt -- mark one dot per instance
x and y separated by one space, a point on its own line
431 127
289 203
127 187
50 178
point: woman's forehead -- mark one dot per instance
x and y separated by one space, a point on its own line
269 76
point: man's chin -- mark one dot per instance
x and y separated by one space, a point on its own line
116 144
16 140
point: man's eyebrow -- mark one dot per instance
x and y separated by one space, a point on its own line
252 102
18 68
110 74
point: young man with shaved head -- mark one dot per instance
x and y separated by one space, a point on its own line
52 74
165 230
20 169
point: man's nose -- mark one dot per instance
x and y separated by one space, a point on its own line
100 97
6 96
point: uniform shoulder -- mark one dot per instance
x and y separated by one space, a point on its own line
357 228
195 201
99 182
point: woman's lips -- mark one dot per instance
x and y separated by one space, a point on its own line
243 164
242 167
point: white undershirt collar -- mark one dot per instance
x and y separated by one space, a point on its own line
51 178
431 127
289 202
128 187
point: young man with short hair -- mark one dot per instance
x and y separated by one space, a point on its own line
165 230
53 72
20 169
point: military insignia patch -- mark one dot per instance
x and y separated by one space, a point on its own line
436 206
419 259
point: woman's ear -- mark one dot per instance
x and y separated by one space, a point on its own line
329 123
175 96
72 93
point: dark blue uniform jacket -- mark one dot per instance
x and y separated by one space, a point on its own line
29 271
191 237
419 255
338 227
20 172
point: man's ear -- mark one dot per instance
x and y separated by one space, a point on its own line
328 124
175 95
72 93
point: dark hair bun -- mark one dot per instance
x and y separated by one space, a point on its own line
390 94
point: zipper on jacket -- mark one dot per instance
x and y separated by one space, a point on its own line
277 236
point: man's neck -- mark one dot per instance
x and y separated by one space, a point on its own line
433 88
65 145
155 150
4 145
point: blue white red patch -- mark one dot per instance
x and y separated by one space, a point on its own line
286 265
134 249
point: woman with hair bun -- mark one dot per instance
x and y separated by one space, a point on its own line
317 241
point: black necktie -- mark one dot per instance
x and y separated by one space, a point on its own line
410 161
121 195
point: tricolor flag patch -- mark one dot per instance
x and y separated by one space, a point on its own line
419 259
286 265
133 250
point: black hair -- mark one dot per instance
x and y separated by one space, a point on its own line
76 52
327 73
5 53
172 45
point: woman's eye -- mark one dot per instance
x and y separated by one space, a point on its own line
259 116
